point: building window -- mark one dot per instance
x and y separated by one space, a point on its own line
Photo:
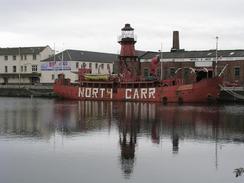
90 65
14 68
14 57
146 73
53 77
34 56
101 66
25 68
6 57
84 65
25 57
77 65
34 68
96 65
237 72
6 68
172 71
21 57
22 68
108 68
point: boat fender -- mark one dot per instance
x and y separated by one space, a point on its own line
180 100
210 98
165 100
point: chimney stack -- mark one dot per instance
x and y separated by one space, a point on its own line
176 41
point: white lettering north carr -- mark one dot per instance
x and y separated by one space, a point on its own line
88 93
151 93
136 94
110 92
81 92
128 93
143 93
102 91
95 93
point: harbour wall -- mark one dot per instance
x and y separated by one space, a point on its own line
45 91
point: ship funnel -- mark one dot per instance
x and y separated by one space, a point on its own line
176 41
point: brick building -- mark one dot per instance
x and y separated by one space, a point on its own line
183 60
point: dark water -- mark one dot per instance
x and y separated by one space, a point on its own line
50 141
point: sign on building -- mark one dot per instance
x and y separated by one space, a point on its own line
204 64
55 66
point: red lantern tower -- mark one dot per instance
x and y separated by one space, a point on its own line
129 65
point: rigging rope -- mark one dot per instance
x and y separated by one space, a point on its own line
231 92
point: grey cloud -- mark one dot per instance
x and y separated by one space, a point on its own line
95 24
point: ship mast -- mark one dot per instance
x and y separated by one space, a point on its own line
161 62
216 59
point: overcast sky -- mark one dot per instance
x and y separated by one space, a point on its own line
94 25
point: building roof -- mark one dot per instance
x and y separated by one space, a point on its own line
21 50
140 53
195 54
80 55
127 27
90 56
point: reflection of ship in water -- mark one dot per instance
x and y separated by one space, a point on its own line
41 119
127 142
128 123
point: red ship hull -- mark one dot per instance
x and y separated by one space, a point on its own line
202 91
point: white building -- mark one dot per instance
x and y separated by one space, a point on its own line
21 65
69 61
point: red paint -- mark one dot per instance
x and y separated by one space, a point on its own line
127 49
196 92
154 65
129 85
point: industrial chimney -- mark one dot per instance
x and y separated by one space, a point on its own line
176 41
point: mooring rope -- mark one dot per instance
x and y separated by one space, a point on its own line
231 92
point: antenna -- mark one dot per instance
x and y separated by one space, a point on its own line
54 61
216 59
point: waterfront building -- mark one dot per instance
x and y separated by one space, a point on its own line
69 61
230 61
21 65
206 59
